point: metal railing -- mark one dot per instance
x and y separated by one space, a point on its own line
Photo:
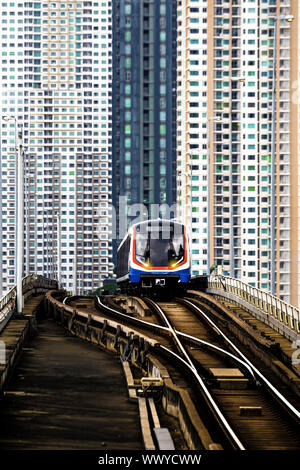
38 280
265 302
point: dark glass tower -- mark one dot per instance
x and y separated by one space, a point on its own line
144 100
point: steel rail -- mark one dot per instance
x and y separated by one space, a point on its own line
199 379
167 329
255 370
217 348
65 299
173 333
216 409
128 317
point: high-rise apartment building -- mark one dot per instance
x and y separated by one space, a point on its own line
144 143
237 138
56 78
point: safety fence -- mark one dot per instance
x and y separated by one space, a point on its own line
283 312
32 280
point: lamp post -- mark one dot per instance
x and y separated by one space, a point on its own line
58 249
181 198
19 152
185 173
209 199
27 203
36 196
190 175
289 19
231 231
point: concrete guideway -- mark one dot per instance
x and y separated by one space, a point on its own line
66 394
82 321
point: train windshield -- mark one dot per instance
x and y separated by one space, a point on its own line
159 244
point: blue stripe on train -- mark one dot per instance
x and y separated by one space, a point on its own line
135 274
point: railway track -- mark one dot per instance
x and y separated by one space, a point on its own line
241 391
251 413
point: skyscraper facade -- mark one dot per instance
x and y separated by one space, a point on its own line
56 76
144 103
237 139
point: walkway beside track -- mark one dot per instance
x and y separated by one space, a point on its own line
66 394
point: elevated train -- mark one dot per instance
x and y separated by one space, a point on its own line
154 256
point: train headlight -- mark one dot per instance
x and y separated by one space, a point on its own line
174 263
147 264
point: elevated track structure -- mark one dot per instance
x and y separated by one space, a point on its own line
222 358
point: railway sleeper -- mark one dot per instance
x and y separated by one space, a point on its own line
229 378
250 411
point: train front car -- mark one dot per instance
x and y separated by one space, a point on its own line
159 258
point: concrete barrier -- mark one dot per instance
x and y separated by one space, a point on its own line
14 331
134 305
145 425
139 306
15 334
15 337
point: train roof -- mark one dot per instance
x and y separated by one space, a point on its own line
148 222
153 221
